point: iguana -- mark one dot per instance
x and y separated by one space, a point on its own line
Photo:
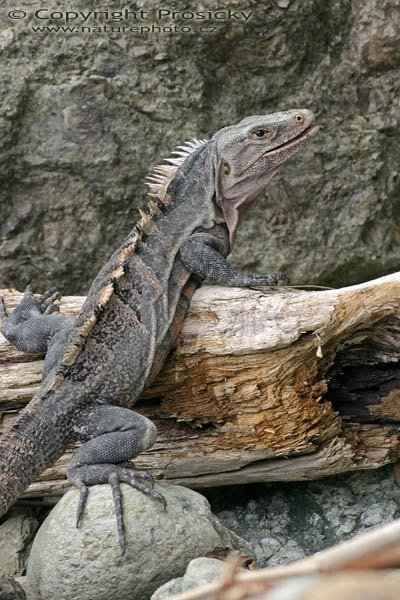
99 364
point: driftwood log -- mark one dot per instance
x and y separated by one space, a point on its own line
264 386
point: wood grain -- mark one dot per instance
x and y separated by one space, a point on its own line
263 386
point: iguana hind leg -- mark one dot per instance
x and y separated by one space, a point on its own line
115 435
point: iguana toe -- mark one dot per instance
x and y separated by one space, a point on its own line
48 294
83 494
124 475
281 277
129 467
48 304
3 310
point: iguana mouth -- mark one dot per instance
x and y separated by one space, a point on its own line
299 139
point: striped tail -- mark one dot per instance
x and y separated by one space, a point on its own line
32 443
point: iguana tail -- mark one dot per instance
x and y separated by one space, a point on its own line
33 442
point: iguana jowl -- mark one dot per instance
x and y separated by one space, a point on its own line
99 364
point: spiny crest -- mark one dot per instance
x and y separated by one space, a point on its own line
162 175
103 296
159 181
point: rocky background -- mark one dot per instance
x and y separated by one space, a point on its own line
271 524
84 116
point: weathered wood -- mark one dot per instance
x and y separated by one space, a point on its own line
263 386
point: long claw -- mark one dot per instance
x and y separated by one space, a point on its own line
113 480
3 310
48 303
50 299
157 496
83 489
132 470
48 293
282 277
138 485
149 479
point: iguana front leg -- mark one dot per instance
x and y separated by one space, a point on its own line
113 436
32 323
34 327
204 254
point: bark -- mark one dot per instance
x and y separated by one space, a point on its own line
263 386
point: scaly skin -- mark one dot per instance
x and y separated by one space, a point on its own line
99 365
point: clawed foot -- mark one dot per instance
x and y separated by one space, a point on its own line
281 277
86 475
30 325
31 306
43 304
272 279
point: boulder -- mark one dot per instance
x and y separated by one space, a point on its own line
16 536
199 572
68 563
10 589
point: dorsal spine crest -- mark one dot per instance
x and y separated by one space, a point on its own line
159 181
162 175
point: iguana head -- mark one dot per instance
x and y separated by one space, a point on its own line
250 153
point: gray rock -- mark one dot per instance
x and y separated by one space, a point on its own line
285 522
199 572
16 536
83 121
10 589
66 563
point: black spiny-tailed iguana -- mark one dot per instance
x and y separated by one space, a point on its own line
99 364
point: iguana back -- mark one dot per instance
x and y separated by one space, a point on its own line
132 303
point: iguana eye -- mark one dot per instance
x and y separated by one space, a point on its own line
300 118
259 134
